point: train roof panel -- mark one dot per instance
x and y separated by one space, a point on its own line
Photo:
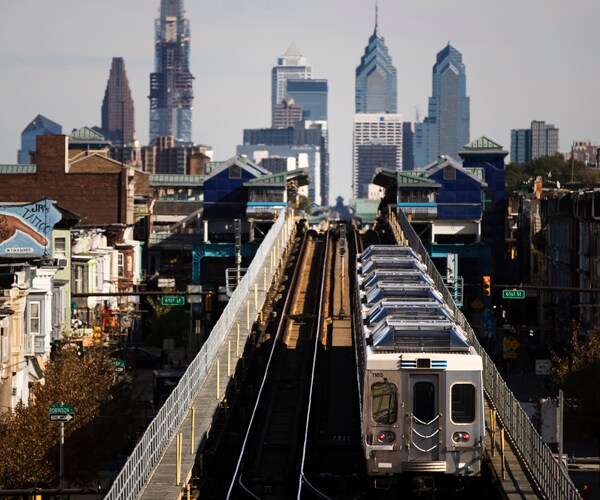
388 250
391 263
410 311
401 292
393 276
391 334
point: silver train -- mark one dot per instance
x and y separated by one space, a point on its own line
420 380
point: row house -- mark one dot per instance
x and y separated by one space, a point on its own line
105 261
559 244
84 235
34 284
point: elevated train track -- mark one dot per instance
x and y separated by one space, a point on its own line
309 442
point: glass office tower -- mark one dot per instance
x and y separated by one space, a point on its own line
291 65
171 85
446 129
376 82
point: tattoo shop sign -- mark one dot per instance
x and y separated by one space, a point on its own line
26 230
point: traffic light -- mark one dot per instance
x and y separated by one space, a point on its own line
208 302
487 286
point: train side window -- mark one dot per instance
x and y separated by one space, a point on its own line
463 403
424 401
384 402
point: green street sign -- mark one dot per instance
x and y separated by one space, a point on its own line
172 300
513 294
61 413
119 365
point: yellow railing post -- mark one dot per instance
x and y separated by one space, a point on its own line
248 315
193 429
255 297
218 380
493 426
229 358
237 345
178 441
502 453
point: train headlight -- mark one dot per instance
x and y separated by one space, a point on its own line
461 437
386 437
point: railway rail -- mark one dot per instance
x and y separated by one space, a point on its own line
267 466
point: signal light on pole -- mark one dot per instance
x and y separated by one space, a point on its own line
487 286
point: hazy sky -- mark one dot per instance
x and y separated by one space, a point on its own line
525 60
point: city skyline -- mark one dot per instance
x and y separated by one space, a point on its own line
526 62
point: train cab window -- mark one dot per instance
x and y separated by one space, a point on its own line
384 402
424 401
463 403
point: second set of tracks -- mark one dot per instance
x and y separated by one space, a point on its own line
294 430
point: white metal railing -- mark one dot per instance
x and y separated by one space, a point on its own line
155 440
552 479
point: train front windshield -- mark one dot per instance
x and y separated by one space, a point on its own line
384 402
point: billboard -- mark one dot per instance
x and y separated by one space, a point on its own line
26 230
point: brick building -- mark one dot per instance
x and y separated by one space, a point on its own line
86 182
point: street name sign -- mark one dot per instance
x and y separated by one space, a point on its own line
513 294
119 365
61 413
172 300
542 367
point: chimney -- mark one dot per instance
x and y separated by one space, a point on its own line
52 154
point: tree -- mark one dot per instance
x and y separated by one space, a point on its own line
577 373
105 421
167 322
551 169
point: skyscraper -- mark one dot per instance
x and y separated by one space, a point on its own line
292 64
376 82
286 113
40 125
118 124
445 131
377 131
171 89
377 142
311 95
527 144
520 145
544 139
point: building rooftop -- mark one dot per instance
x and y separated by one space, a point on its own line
18 169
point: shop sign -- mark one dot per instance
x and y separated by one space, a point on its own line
26 230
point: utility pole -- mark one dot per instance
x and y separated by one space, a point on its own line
342 312
237 229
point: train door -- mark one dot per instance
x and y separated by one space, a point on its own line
424 418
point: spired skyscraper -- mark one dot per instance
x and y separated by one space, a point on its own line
291 65
377 129
118 123
445 131
376 81
171 84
